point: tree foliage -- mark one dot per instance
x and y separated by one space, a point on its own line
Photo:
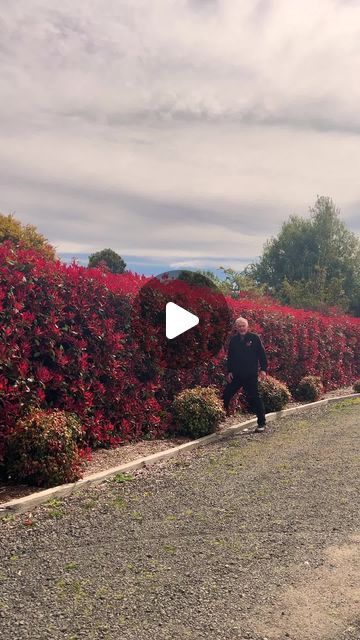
26 235
313 263
232 284
109 259
198 278
238 282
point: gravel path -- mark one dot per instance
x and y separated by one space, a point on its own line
106 458
254 538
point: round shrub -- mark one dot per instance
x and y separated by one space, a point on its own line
43 449
198 411
309 389
274 393
356 386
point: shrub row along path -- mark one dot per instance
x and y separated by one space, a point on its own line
257 537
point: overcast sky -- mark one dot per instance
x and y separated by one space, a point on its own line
177 132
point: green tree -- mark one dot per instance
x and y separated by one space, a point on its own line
109 258
314 262
26 235
198 278
232 284
236 282
314 293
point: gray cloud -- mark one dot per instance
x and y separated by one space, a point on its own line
187 129
238 217
140 225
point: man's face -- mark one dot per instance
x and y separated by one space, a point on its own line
241 327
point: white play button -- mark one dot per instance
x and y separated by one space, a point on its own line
178 320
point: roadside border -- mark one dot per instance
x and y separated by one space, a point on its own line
27 503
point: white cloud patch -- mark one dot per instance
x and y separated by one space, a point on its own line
180 129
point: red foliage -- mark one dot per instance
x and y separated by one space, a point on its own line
67 340
63 344
43 448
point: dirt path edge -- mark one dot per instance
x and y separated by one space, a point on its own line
27 503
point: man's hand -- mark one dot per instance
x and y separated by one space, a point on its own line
229 377
262 374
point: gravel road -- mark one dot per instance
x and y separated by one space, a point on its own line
254 538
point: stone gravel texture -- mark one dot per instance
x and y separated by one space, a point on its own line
108 458
253 538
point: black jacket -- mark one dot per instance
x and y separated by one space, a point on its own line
244 355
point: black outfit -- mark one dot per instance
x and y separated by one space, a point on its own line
244 355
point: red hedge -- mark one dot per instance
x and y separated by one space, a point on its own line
67 341
63 344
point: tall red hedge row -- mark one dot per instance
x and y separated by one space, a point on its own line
63 343
67 340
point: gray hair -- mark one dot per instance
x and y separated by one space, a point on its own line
241 319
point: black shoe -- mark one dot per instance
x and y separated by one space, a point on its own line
260 428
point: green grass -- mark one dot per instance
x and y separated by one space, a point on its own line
119 503
90 503
7 517
73 590
121 478
342 404
55 510
70 566
137 515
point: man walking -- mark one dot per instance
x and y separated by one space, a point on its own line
245 353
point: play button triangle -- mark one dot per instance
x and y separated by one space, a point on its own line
178 320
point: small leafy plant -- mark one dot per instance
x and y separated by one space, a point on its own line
197 412
275 394
43 448
310 388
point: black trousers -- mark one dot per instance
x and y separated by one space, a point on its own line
251 390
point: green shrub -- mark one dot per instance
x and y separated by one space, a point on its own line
42 449
274 393
310 388
356 386
197 412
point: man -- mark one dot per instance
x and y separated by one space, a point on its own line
245 353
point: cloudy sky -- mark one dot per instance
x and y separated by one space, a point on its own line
177 132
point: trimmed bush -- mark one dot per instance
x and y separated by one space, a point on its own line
43 449
356 386
310 388
274 393
197 412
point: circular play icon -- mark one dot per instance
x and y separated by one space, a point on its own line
182 319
